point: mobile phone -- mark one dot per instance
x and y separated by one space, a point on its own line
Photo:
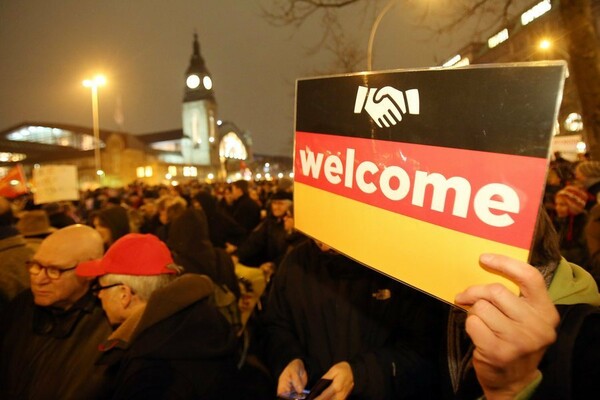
293 395
318 388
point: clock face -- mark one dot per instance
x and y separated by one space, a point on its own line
207 82
192 81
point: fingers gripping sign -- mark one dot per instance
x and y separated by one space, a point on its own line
510 333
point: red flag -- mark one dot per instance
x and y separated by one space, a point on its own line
14 183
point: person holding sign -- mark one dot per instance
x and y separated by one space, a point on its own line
329 317
541 344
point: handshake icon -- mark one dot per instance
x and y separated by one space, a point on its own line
386 105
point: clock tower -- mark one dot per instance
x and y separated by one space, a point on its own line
199 112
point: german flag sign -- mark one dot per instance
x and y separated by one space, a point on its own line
416 173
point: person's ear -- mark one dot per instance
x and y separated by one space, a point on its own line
125 296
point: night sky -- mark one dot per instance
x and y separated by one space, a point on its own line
143 47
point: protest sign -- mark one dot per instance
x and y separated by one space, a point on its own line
55 183
416 173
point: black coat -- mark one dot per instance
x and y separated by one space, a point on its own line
246 212
325 308
182 347
47 353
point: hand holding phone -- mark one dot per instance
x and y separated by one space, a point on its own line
318 388
293 395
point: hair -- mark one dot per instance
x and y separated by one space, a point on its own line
173 205
545 250
242 185
144 285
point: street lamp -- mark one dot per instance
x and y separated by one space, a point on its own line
384 11
94 84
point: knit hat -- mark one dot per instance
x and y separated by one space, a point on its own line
133 254
589 169
575 197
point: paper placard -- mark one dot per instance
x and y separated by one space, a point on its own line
416 173
55 183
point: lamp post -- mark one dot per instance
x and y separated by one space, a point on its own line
380 16
94 84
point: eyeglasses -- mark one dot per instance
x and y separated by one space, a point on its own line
35 268
97 287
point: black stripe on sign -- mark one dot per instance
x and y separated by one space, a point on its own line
500 108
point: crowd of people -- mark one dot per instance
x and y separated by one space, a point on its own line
208 292
571 199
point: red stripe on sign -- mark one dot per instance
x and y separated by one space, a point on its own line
490 195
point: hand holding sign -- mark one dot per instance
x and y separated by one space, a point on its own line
510 333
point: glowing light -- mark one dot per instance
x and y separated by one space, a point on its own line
452 61
498 38
574 123
211 176
192 81
207 82
12 157
545 44
535 12
581 147
99 172
98 80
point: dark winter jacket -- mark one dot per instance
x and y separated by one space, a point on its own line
268 242
14 253
188 241
246 212
48 353
178 347
325 308
222 228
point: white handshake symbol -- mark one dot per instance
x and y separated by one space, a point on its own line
386 105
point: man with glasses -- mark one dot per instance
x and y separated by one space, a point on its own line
49 335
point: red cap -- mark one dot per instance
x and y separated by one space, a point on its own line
133 254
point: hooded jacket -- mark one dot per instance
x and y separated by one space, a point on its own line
178 346
191 248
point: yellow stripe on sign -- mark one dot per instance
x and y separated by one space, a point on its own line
437 260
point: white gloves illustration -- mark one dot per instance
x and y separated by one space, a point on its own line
386 105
